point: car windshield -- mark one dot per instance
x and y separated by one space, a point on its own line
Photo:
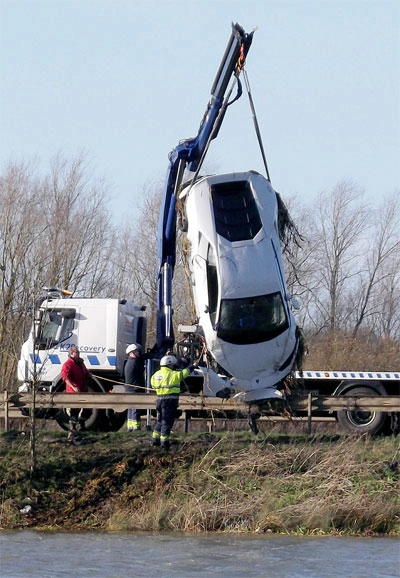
252 319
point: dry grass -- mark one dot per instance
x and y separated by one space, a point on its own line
343 351
339 487
231 483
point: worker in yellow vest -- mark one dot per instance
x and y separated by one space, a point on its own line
166 381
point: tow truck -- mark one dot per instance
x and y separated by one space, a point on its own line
244 335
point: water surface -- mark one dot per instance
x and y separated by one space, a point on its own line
30 554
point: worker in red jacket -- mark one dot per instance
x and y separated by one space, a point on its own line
75 376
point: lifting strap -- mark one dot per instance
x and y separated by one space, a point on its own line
256 125
221 116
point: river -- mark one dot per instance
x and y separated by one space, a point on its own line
30 554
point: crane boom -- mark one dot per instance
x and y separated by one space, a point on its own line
189 154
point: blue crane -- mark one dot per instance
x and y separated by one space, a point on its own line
189 154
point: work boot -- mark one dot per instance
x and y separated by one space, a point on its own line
133 425
155 440
73 439
165 444
81 425
137 425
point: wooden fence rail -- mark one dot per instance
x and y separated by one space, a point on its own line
307 404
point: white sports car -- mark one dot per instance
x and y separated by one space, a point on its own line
238 281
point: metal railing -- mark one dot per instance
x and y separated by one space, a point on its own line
308 404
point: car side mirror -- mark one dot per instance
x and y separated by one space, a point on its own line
295 303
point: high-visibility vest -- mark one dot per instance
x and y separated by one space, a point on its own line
167 381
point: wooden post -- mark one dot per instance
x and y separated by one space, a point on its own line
187 421
5 410
309 412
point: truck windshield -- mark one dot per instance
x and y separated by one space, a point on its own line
252 319
54 328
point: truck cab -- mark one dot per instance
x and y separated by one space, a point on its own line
100 328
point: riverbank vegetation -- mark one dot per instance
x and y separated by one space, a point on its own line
230 482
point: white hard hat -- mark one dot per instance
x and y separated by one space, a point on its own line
168 360
133 347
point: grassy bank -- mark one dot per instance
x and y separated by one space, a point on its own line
233 482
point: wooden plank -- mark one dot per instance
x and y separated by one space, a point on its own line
346 402
121 401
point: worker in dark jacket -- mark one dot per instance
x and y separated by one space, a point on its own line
134 376
166 381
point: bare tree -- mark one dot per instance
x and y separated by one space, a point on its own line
134 256
20 224
347 273
298 260
340 221
387 320
376 291
135 263
79 230
54 230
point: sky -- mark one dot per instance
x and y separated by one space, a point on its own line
123 81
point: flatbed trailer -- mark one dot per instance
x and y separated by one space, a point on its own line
354 385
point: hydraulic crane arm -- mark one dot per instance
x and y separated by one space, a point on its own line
189 154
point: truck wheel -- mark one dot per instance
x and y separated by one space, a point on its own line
113 420
362 421
97 419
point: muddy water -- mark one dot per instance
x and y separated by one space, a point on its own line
27 554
